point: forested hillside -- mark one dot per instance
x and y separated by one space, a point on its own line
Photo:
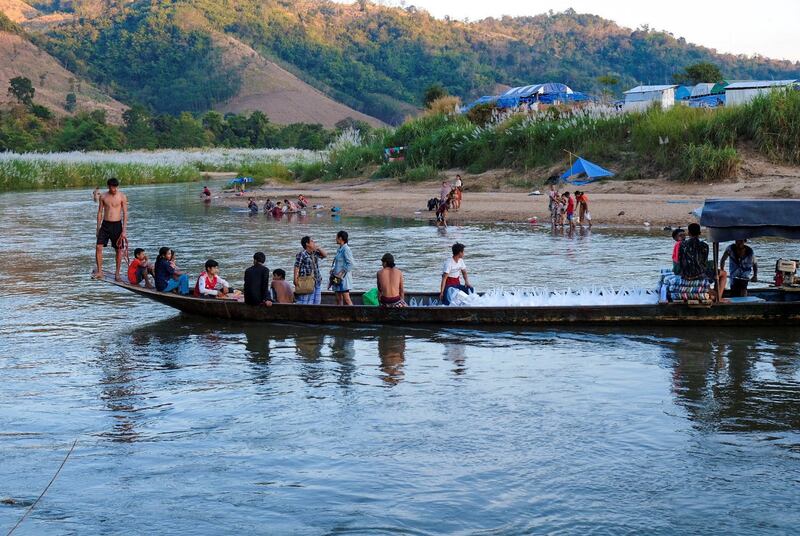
375 59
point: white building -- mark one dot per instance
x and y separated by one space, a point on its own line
642 97
743 92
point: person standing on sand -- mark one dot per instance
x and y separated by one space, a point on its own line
554 205
444 192
457 190
112 224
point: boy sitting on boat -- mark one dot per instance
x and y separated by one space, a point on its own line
282 290
139 269
210 284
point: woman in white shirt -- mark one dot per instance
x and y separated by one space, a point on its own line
453 270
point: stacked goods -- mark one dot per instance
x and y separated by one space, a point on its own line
679 289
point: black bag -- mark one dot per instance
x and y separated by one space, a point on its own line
433 203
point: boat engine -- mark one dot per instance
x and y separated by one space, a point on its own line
786 273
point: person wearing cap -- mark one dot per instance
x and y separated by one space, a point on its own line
390 283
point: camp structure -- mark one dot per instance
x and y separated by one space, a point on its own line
743 92
583 172
642 97
682 93
532 95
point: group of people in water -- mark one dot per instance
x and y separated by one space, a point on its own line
279 208
690 261
563 205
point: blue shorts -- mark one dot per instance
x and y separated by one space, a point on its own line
569 216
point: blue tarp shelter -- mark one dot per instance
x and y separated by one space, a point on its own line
707 101
486 99
583 172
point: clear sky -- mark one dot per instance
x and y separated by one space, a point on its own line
770 28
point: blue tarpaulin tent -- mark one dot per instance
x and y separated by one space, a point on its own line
583 168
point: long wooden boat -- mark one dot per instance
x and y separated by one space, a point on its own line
778 308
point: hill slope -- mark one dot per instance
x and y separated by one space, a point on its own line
372 58
282 96
20 57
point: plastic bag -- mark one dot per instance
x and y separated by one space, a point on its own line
370 297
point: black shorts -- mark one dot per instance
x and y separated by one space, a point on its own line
739 287
109 230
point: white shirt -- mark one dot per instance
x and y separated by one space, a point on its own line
453 268
201 282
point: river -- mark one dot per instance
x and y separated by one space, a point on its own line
204 427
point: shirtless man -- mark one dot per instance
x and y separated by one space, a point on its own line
112 224
390 284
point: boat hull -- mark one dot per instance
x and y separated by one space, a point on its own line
778 309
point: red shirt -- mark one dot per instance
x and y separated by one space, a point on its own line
132 268
570 205
675 249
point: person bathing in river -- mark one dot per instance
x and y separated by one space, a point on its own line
96 194
112 225
390 284
268 206
569 210
252 205
166 274
743 267
453 270
139 269
209 283
282 291
302 202
341 280
206 194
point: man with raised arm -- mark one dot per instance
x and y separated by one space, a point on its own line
112 225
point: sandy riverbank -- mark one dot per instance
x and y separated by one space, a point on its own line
489 197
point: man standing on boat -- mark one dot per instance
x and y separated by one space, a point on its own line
453 270
307 278
112 224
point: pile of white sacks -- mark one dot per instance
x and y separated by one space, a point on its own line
544 297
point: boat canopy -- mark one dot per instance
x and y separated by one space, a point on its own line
583 168
741 219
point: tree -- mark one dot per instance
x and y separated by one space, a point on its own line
139 128
21 88
71 102
434 92
609 83
697 73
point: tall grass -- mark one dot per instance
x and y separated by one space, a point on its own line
682 143
29 171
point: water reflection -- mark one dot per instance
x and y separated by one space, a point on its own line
392 353
739 380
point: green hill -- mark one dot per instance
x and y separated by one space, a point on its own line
375 59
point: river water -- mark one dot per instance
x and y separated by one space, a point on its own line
204 427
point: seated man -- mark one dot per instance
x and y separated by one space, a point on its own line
256 282
209 283
282 290
452 271
139 268
743 267
693 255
390 284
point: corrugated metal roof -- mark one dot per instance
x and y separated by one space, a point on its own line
757 84
649 89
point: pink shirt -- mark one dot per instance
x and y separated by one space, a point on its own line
675 249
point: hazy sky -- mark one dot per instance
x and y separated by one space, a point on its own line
735 26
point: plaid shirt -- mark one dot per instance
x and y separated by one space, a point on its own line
308 263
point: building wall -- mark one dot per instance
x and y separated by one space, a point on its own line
638 102
736 97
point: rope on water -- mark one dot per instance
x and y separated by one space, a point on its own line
30 508
122 245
